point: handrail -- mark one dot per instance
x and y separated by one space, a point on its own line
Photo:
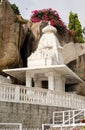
74 116
62 126
14 124
34 95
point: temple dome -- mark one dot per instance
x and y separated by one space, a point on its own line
49 28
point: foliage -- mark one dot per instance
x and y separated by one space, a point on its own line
83 120
15 9
46 15
21 20
75 26
84 30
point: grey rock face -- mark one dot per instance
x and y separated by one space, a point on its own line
12 34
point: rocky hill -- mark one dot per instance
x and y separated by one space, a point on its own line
12 35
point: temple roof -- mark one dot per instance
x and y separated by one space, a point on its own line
20 73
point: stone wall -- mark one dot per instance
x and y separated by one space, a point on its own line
31 116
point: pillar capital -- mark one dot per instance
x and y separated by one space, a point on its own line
28 79
51 73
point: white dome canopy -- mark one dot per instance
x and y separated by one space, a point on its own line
49 28
49 51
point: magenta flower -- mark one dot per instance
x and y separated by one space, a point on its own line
52 22
46 15
35 20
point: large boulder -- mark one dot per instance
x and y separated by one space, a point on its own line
78 66
12 34
72 51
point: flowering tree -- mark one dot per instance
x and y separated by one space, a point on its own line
46 15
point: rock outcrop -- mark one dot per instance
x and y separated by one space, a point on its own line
12 35
73 51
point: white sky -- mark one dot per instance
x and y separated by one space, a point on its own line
63 7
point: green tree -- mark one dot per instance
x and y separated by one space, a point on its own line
15 9
75 25
84 30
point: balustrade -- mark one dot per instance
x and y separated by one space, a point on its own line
17 93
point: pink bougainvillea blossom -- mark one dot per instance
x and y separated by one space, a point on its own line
52 22
46 15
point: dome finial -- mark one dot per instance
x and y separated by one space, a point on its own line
49 23
49 28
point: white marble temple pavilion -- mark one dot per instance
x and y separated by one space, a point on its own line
45 67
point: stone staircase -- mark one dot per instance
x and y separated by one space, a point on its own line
67 120
69 128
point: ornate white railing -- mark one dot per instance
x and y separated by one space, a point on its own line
22 94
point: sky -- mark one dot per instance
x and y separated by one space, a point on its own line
63 7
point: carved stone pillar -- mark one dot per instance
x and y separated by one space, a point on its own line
59 83
37 82
28 79
51 77
55 81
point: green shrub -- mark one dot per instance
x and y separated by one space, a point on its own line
15 9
